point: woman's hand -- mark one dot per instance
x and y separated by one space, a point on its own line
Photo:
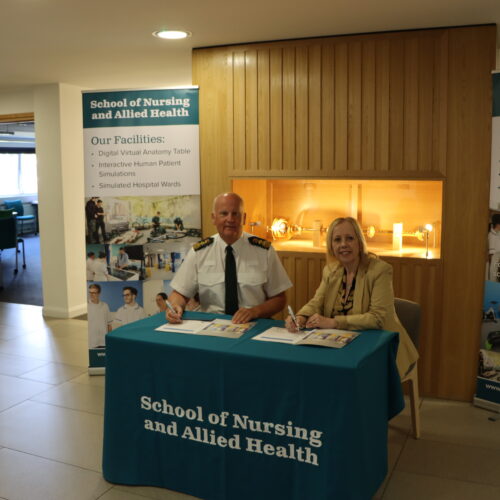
291 326
318 321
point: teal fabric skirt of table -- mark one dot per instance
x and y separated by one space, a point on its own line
239 419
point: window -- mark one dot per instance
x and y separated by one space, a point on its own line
18 172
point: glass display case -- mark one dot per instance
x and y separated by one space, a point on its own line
399 218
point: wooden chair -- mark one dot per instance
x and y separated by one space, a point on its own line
409 314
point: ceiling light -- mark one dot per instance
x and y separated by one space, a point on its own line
171 34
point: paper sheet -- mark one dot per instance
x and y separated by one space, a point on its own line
187 326
276 334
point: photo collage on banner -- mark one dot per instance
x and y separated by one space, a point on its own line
142 203
488 382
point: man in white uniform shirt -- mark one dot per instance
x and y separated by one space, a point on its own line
130 311
260 280
99 317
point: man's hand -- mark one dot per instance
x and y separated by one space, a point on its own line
178 303
175 318
244 315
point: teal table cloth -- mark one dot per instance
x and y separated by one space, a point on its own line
239 419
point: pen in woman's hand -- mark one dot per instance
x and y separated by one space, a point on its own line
294 318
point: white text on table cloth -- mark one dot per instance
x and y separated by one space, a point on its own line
196 430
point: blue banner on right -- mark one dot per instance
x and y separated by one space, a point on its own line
488 381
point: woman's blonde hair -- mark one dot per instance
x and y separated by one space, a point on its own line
363 249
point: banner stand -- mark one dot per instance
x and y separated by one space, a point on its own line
488 379
142 203
487 405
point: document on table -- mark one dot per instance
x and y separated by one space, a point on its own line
276 334
187 326
217 328
326 337
226 328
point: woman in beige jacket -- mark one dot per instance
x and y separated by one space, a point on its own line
355 292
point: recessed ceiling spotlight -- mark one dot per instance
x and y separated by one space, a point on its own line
171 34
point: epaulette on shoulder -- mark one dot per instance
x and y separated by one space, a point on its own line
259 242
203 243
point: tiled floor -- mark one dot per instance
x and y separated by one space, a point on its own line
51 416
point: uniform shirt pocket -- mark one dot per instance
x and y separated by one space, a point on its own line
210 279
254 278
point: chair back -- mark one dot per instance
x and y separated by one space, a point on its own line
16 205
408 313
8 232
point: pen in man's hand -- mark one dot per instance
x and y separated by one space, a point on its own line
171 307
294 319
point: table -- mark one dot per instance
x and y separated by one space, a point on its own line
239 419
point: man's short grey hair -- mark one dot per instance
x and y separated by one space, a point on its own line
242 203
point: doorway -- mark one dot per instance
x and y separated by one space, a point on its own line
19 182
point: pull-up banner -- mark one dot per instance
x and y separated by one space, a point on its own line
142 202
488 380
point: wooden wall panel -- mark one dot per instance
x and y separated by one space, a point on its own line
251 113
396 106
327 108
276 108
341 89
440 106
217 141
425 125
368 103
289 111
263 109
402 105
238 120
411 103
352 106
382 104
314 111
301 109
471 58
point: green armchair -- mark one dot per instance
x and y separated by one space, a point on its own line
17 206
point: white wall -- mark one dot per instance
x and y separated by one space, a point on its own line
58 129
19 101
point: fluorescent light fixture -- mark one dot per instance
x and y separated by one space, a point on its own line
23 141
171 34
26 140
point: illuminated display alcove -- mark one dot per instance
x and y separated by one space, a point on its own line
399 217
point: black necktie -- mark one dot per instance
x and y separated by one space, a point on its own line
231 283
